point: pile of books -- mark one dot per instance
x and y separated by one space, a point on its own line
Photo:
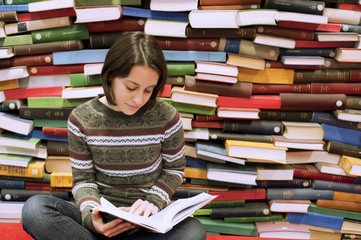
269 93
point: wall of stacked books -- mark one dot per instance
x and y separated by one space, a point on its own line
269 92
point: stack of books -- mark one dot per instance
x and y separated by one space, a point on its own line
269 94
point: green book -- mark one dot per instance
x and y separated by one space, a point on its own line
22 39
15 160
11 140
223 204
273 217
202 212
79 3
196 109
81 80
351 236
54 102
219 226
20 2
50 123
72 32
335 212
207 182
180 68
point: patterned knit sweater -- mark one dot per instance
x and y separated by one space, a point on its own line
124 158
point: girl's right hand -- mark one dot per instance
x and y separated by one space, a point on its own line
109 229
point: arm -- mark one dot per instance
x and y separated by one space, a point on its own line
173 160
85 190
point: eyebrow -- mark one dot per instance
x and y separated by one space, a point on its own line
138 84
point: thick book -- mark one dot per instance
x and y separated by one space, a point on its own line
285 32
281 205
196 44
284 115
255 101
250 209
35 169
164 220
343 149
24 194
322 76
266 76
298 194
339 204
12 122
21 93
117 26
39 48
310 7
316 219
265 127
352 165
336 88
258 88
97 13
238 89
327 117
312 101
181 95
335 212
347 114
337 186
219 226
234 173
275 229
341 134
240 194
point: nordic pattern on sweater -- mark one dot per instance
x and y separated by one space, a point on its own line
123 157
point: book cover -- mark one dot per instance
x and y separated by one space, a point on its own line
312 101
240 194
236 173
250 209
282 228
298 194
351 165
316 219
341 134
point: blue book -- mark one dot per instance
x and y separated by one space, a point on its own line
210 56
328 117
316 219
337 186
16 8
13 184
38 133
339 134
196 162
146 13
215 150
80 56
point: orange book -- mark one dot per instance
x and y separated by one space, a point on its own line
192 172
346 196
266 76
340 205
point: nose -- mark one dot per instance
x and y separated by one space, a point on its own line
138 98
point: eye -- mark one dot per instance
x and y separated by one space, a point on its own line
130 88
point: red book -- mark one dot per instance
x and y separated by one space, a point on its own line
256 101
21 93
167 91
207 124
280 88
336 88
317 44
122 24
206 118
355 75
350 6
329 27
240 194
56 70
309 101
46 14
309 171
27 60
55 131
278 64
196 44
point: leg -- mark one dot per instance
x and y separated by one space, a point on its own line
48 217
188 229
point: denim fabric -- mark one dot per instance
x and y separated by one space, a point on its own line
47 217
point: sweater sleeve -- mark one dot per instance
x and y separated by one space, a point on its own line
85 190
173 159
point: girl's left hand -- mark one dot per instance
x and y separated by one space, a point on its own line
141 207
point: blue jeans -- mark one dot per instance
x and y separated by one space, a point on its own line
48 217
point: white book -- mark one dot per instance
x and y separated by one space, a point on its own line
6 52
13 73
97 14
14 123
82 92
301 17
39 152
173 6
50 5
336 15
93 69
45 81
165 28
164 220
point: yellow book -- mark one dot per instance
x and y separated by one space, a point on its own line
35 169
266 76
61 179
192 172
255 150
9 84
351 165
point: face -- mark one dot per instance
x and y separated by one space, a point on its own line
133 92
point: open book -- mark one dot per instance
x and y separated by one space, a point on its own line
164 220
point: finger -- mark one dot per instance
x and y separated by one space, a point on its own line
96 215
135 205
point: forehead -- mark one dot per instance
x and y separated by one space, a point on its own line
143 75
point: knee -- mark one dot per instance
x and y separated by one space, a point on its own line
32 208
198 231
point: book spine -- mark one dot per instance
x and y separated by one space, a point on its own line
265 127
55 131
279 115
280 88
56 70
336 88
309 7
41 48
61 180
317 44
340 134
23 194
298 194
294 183
57 148
335 212
9 84
30 171
183 68
33 60
11 16
196 44
239 212
103 39
337 186
122 24
285 32
316 219
322 76
346 196
312 101
28 16
243 32
12 184
21 93
253 194
218 135
340 205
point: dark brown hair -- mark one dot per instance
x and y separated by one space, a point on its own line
133 48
